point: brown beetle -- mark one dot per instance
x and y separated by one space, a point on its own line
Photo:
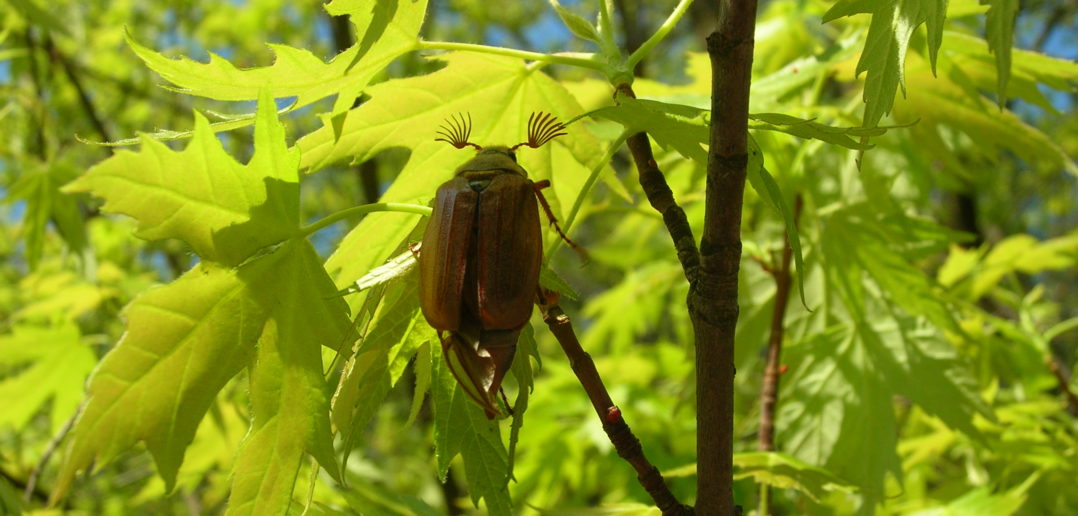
480 258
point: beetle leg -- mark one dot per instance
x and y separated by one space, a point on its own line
479 360
473 371
554 221
546 298
508 407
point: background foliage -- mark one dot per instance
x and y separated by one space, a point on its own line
931 144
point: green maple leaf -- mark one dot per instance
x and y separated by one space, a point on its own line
288 392
196 193
839 413
390 340
58 365
40 188
389 29
956 100
460 427
884 56
999 31
783 471
184 341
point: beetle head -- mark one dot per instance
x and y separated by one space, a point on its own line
492 160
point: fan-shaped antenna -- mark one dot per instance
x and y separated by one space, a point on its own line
456 130
542 127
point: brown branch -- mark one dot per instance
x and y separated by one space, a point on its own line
630 27
1057 15
366 172
621 436
769 392
84 97
713 297
452 492
653 182
50 448
1057 369
19 483
39 110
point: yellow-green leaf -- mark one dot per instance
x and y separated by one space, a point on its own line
884 56
196 194
296 72
57 366
182 343
288 392
999 31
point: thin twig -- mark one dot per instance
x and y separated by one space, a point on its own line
366 172
1057 369
621 436
38 110
634 35
653 182
18 482
54 444
769 392
84 97
1051 22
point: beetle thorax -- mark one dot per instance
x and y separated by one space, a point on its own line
490 162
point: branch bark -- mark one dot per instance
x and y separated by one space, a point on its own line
38 110
769 392
713 297
84 97
366 172
621 436
653 183
1059 372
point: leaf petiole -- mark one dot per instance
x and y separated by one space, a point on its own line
582 59
660 34
361 210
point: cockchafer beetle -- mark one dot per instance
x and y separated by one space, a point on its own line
481 254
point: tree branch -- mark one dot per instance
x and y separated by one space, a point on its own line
630 27
1059 372
713 297
84 97
1056 17
38 110
20 483
658 192
31 488
621 436
366 172
769 392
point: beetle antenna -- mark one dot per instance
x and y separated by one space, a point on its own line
542 127
456 130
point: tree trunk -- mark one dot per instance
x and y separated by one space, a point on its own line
713 297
